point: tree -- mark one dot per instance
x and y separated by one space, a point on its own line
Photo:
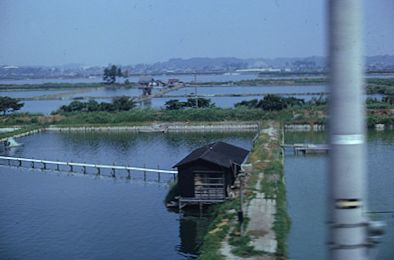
272 102
201 102
8 104
111 73
247 103
174 104
123 103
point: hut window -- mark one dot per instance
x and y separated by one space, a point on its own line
209 185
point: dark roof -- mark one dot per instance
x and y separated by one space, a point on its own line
218 153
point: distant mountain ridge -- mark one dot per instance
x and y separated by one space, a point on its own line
190 65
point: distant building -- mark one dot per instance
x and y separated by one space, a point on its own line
146 84
206 174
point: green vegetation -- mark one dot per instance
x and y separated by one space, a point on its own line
272 102
8 104
266 156
118 104
175 104
218 229
172 192
20 131
110 74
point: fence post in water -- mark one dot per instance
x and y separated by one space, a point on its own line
128 173
144 172
44 166
98 170
84 169
9 162
57 167
113 171
158 173
20 163
71 168
32 164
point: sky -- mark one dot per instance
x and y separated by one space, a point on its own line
101 32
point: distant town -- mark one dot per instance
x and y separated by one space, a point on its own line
315 64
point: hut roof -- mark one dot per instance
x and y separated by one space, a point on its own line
219 153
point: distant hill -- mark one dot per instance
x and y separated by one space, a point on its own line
191 65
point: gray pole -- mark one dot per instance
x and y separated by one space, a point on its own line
347 176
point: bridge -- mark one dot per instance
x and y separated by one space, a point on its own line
78 167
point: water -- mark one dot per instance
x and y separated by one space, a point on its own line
184 77
47 215
209 90
164 77
48 106
306 191
33 93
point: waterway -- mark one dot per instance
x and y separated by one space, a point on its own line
48 215
306 192
106 95
226 77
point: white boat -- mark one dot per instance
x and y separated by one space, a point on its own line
10 142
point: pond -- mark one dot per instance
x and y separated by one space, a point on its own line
306 193
47 214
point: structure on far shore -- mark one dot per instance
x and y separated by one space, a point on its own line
205 176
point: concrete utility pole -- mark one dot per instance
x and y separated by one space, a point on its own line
347 173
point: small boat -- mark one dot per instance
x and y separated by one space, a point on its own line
10 142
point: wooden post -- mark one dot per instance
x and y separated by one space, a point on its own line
98 170
45 166
144 172
113 171
32 165
84 169
9 162
57 167
158 174
71 168
128 174
20 163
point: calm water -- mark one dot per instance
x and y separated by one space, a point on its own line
184 78
207 90
48 106
306 191
46 215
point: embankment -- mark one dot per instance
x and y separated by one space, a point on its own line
263 234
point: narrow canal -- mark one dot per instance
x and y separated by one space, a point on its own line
44 214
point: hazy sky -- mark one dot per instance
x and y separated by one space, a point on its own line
53 32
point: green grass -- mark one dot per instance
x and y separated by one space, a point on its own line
20 131
218 230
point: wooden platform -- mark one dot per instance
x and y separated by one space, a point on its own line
308 148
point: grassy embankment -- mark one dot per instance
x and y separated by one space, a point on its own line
303 115
266 156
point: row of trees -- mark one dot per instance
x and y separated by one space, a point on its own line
8 104
110 74
272 102
175 104
123 103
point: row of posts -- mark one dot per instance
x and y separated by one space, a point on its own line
44 167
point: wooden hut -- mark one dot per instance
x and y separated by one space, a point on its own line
206 174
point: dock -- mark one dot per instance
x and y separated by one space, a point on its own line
77 167
308 148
